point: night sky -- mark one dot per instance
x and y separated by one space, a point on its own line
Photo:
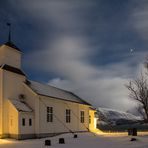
90 47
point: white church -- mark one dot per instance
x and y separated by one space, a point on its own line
30 109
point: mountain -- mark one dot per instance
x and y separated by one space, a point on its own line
114 117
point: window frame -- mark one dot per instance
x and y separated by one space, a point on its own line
68 115
23 121
49 114
30 122
82 116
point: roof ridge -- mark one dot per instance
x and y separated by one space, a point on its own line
51 86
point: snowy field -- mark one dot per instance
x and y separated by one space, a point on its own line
84 140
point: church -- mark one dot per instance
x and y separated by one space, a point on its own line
29 109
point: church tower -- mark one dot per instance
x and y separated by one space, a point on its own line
11 79
10 55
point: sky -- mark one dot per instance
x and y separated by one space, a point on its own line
90 47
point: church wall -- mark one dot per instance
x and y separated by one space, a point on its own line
84 125
32 100
26 129
12 85
92 120
30 96
13 120
1 100
10 56
59 118
12 88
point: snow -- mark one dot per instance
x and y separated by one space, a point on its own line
112 115
86 140
51 91
20 106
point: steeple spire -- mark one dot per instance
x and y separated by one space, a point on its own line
9 35
9 42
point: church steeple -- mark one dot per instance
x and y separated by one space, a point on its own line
10 54
9 42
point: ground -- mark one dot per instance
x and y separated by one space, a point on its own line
84 140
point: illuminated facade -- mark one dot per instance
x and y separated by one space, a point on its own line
30 109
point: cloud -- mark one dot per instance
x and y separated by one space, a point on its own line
68 58
104 89
107 92
68 54
139 18
64 15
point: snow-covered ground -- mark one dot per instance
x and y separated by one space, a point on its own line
84 140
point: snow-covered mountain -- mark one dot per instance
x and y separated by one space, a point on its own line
114 117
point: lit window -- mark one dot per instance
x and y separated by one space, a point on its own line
30 122
23 121
82 116
68 113
49 114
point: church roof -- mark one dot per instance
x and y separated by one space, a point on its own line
20 106
12 45
12 69
51 91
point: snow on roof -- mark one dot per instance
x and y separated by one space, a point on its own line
20 106
51 91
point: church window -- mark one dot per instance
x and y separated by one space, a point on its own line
49 114
23 121
30 122
82 116
68 115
